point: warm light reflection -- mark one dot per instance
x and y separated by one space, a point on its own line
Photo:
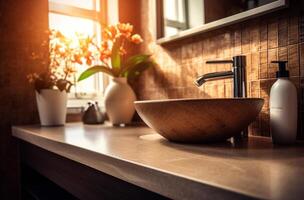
82 138
70 25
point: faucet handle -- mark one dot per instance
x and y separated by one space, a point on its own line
279 61
219 62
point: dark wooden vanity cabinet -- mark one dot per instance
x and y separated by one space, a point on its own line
46 175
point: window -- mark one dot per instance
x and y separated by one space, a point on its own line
84 17
176 16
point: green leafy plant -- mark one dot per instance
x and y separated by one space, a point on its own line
112 54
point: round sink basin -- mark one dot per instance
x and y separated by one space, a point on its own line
199 120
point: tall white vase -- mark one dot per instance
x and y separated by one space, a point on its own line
52 107
119 101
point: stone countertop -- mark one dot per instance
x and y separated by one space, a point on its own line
138 155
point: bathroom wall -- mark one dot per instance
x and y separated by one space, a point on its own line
279 35
22 30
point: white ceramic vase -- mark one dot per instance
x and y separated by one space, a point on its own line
119 101
52 107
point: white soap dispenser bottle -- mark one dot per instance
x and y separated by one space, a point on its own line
283 107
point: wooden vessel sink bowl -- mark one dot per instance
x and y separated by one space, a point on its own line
199 120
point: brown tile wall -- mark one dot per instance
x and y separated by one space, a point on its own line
22 30
279 35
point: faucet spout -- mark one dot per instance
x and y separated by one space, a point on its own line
213 76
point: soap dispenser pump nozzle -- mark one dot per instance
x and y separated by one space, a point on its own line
282 69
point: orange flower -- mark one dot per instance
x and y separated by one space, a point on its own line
69 70
136 39
106 34
105 54
77 59
57 48
88 57
88 61
104 45
119 35
109 33
125 28
113 30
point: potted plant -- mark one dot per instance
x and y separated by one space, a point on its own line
115 62
54 83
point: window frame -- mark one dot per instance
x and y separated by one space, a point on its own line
78 100
162 39
181 25
69 10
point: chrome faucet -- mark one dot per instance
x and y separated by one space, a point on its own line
237 73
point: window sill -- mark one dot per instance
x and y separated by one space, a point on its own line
76 106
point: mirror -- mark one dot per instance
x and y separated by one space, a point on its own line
181 18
